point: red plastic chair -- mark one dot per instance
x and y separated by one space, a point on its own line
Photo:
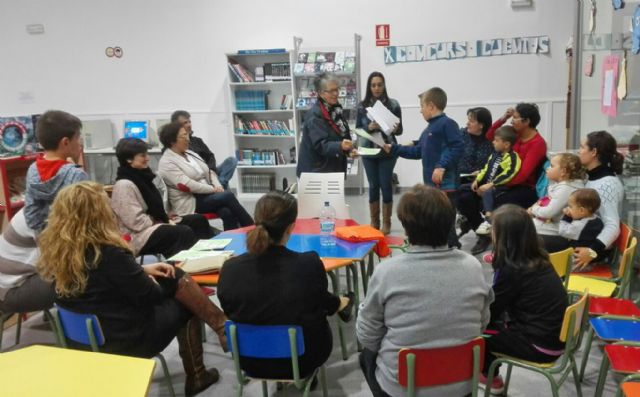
623 358
441 366
184 188
613 306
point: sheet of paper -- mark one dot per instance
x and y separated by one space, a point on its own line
367 151
378 141
608 88
383 116
193 254
208 245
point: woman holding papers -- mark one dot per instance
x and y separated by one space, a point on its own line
326 141
272 285
140 209
379 168
140 308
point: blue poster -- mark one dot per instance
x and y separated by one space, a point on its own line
635 47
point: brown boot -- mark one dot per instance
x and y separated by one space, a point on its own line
387 209
190 295
374 213
190 350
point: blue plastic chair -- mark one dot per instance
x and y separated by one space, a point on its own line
270 341
86 329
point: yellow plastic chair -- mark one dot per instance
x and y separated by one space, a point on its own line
571 333
578 284
561 262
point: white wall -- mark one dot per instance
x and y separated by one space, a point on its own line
174 56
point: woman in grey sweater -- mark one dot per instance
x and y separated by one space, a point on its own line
432 296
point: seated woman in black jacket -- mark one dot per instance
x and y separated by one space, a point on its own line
140 308
272 285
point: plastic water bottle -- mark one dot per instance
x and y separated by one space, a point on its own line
327 225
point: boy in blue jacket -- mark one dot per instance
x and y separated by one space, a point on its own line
440 146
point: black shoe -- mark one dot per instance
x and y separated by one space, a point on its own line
482 245
465 227
345 314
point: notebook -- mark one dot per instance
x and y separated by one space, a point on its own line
195 262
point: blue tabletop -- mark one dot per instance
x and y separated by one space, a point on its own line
304 243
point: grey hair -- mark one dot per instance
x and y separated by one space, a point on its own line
323 80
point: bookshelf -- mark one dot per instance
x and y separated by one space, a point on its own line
263 120
308 63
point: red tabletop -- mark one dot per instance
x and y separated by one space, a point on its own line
303 226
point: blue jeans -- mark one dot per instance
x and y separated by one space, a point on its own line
487 200
225 171
379 174
226 205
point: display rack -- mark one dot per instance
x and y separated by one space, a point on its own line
345 64
13 172
263 120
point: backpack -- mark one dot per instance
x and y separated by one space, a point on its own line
543 183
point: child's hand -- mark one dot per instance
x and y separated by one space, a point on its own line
566 211
387 147
437 176
474 186
530 210
483 189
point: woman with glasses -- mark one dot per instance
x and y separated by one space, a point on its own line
521 190
379 168
193 187
326 141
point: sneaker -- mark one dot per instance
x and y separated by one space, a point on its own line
484 228
481 246
497 386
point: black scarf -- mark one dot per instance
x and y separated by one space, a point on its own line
600 172
333 114
143 179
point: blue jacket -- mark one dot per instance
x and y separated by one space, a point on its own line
320 147
440 146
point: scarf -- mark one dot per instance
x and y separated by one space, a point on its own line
333 114
143 179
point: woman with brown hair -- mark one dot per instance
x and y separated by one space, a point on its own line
272 285
140 308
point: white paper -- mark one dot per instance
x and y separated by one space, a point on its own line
377 140
366 151
208 245
608 88
383 116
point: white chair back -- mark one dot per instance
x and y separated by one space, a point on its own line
316 188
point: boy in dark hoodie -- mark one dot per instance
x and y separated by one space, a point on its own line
58 133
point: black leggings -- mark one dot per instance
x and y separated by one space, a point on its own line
227 206
168 240
199 224
469 203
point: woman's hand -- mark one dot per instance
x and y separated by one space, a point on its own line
507 115
581 258
218 189
346 145
387 147
353 153
373 126
437 176
160 270
530 210
344 301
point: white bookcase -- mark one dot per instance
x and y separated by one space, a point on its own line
349 77
264 134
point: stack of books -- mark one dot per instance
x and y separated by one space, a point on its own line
240 73
277 71
263 127
251 100
258 183
318 62
261 157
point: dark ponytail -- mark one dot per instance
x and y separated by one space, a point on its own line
607 148
274 213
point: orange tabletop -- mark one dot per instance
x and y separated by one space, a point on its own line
631 389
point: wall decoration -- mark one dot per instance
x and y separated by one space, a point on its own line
618 4
466 49
17 135
109 52
117 52
588 66
622 81
635 35
609 105
383 35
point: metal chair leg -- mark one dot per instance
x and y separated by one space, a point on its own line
167 375
507 378
576 377
265 390
585 354
323 373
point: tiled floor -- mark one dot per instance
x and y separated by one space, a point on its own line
345 377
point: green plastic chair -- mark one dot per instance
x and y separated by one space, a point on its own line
86 329
571 333
5 316
270 341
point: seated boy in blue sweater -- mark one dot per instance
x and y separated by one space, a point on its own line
59 134
440 146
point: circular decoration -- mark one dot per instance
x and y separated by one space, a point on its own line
117 51
617 4
109 52
13 136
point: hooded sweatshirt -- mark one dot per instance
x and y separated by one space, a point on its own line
45 178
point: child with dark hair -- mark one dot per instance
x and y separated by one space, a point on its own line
273 285
500 168
530 299
59 133
580 224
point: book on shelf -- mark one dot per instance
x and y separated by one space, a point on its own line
311 57
264 51
263 127
318 62
242 72
259 73
258 183
286 102
260 157
251 99
277 71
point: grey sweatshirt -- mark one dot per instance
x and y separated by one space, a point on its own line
39 195
425 298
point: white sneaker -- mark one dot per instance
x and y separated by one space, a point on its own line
484 229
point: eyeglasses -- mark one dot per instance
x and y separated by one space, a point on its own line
333 91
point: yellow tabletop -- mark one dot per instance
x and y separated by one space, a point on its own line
51 371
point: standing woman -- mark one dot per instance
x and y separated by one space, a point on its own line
599 155
325 142
140 208
379 168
